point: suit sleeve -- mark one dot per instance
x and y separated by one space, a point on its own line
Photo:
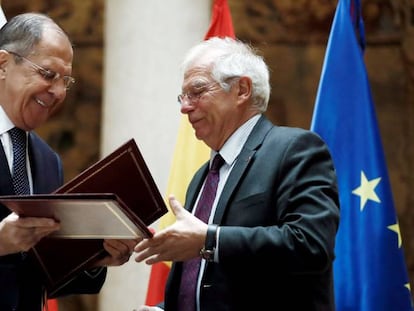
284 212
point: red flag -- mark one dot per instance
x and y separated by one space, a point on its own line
221 21
51 305
180 175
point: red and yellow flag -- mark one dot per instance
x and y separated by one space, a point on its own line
184 167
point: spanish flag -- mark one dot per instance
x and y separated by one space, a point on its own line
183 166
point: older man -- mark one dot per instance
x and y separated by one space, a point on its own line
268 241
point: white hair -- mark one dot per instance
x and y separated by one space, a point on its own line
230 58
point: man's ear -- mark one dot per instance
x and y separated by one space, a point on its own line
4 59
245 88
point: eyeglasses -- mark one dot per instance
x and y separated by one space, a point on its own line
194 97
47 74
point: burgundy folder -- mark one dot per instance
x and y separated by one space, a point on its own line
117 193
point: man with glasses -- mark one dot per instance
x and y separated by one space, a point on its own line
35 75
268 241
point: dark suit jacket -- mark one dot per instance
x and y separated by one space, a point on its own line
21 281
278 216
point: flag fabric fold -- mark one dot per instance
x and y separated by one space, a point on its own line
221 22
189 155
370 273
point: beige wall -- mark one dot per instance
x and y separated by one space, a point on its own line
144 44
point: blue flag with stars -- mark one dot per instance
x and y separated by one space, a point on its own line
370 273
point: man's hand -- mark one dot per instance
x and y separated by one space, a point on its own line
19 234
179 242
119 252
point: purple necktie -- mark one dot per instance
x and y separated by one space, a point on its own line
187 294
20 178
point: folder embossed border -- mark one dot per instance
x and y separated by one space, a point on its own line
81 216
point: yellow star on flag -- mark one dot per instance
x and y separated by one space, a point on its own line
367 190
396 229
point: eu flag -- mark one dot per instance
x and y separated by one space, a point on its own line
369 270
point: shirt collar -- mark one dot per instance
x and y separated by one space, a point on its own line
5 123
236 141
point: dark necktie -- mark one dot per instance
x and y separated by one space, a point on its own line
20 178
187 294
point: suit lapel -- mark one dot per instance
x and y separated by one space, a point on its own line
6 187
242 164
234 178
44 166
6 184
